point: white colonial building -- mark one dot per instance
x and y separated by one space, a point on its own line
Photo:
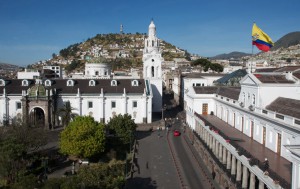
38 101
260 118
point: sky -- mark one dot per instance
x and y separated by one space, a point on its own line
32 30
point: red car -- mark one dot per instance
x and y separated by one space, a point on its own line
176 133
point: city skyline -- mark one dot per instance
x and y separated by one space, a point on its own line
34 30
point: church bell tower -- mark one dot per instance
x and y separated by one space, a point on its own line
152 72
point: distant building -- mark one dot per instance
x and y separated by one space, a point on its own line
29 74
52 71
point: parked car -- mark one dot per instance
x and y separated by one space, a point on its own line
84 162
176 133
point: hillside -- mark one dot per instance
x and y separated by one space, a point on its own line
5 66
232 55
287 40
121 50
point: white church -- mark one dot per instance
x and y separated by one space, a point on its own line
37 101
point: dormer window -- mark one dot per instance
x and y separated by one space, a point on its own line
47 83
92 83
113 83
135 83
2 82
25 83
70 83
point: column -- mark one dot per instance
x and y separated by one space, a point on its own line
216 148
144 107
224 155
233 165
101 108
213 144
261 185
245 177
124 102
228 164
220 152
252 181
239 171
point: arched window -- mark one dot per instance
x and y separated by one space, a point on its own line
113 83
92 83
47 83
70 83
152 71
25 83
135 83
2 82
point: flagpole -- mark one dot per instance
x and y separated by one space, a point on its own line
252 59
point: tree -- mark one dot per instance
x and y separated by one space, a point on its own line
202 62
16 142
123 127
103 175
66 113
83 138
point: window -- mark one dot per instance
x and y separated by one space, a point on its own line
90 104
70 83
135 83
113 83
2 82
18 105
24 83
113 104
92 83
253 98
152 71
134 104
47 82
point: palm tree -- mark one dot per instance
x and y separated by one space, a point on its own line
66 113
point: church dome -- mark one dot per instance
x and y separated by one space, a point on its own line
152 24
37 90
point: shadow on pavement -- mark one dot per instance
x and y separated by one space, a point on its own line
137 182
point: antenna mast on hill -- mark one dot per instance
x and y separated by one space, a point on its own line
121 29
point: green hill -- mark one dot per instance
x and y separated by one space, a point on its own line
289 39
122 50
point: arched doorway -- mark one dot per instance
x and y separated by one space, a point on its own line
37 117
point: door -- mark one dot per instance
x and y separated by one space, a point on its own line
233 119
278 143
251 129
204 109
242 124
264 136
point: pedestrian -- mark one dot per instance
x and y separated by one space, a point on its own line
266 164
213 174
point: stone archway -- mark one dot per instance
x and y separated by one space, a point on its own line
37 117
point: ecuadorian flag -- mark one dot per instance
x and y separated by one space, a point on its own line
260 39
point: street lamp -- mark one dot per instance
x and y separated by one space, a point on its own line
162 111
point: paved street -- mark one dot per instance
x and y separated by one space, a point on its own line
155 164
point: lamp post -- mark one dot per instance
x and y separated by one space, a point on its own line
162 111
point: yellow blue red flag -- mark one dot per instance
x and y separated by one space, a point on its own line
260 39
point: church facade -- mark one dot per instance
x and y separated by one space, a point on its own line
38 101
